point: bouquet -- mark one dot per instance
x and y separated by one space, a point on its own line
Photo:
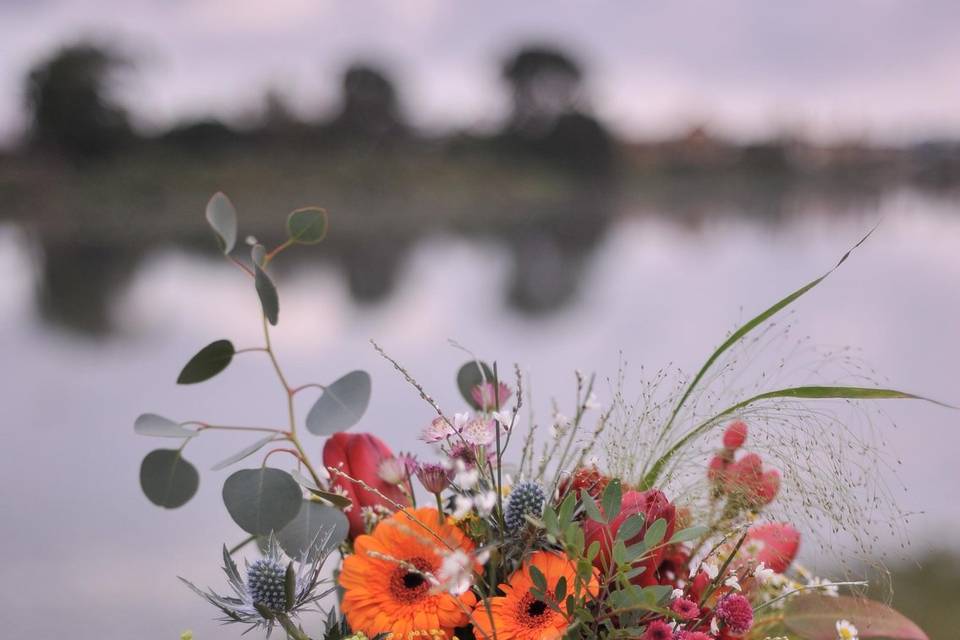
649 520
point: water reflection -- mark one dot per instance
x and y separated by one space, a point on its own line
94 557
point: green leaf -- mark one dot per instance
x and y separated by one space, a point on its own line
630 527
243 453
611 499
688 534
290 586
804 393
167 479
151 424
208 362
655 533
593 511
539 580
561 591
267 291
262 500
814 617
341 405
469 376
316 528
308 225
222 218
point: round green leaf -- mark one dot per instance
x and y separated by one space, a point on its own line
307 226
469 376
317 528
208 362
262 500
150 424
341 405
267 291
167 479
222 217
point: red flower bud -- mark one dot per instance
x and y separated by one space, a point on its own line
774 544
769 486
717 470
360 455
585 479
735 435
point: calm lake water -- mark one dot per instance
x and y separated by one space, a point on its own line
88 557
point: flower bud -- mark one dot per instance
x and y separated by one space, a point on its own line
735 435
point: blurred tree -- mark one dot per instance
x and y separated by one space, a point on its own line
370 111
69 99
545 83
548 118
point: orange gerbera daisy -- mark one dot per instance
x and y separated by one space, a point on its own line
518 615
386 590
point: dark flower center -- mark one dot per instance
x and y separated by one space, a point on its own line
408 583
536 608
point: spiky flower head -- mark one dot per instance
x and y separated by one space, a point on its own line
267 584
273 587
526 499
435 478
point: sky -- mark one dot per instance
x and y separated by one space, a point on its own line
881 69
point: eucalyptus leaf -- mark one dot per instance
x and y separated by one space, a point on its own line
262 500
167 479
592 510
814 617
243 453
267 291
630 527
308 225
469 376
208 362
315 529
341 405
611 499
151 424
222 218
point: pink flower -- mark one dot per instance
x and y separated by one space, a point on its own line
490 398
658 630
479 432
735 612
434 477
695 635
735 435
439 429
685 609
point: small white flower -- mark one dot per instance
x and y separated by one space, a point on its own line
483 556
461 506
677 593
763 574
478 432
485 503
714 626
733 583
456 573
460 419
711 570
592 402
846 630
439 429
466 479
824 586
503 417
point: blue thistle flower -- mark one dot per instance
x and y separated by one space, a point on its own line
526 499
274 590
266 584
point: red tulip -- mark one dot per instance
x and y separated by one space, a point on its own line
653 504
777 544
360 455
